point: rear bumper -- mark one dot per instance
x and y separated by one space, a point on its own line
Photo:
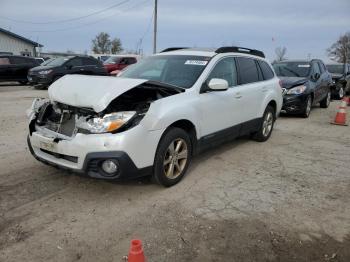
91 166
294 104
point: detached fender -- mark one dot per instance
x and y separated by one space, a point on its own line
164 112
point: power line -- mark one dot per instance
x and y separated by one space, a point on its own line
87 24
66 20
139 43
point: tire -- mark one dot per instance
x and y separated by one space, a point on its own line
326 101
178 157
40 87
266 125
307 109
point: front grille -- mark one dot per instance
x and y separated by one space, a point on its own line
73 159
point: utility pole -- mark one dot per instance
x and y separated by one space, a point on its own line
155 27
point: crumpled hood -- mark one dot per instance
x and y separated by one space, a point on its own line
95 92
289 82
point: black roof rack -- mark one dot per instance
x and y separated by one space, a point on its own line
236 49
172 49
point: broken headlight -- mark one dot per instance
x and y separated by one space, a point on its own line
37 103
296 90
108 123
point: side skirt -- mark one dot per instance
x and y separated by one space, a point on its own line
227 134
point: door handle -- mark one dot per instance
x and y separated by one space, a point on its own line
238 95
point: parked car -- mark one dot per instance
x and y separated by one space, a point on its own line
47 73
157 115
40 60
305 83
15 68
341 79
119 62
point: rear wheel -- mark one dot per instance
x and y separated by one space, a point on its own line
326 101
266 126
307 108
172 157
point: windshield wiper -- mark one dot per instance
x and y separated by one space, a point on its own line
165 85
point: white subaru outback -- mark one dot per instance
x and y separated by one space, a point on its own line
154 117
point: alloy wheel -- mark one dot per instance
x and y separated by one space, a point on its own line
175 158
267 124
328 98
308 106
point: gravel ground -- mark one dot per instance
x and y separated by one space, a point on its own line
287 199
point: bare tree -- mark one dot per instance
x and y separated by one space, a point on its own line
280 53
101 44
116 46
340 50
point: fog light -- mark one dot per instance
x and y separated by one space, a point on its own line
110 166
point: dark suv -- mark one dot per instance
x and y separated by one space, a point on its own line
15 68
44 75
304 82
341 79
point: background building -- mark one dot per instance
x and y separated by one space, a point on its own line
17 45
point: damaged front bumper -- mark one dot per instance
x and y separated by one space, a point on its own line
85 154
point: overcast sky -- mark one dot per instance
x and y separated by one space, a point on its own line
303 26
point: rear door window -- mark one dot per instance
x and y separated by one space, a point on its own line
247 70
131 60
4 61
90 61
266 70
75 62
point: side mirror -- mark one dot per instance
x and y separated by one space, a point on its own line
218 84
69 67
316 76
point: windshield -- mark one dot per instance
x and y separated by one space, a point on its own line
292 69
112 60
47 61
57 61
335 69
178 70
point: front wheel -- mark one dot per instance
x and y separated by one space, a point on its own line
172 157
307 108
266 125
326 101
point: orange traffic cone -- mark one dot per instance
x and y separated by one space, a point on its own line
340 117
136 251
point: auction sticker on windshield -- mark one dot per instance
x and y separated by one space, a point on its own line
303 65
196 62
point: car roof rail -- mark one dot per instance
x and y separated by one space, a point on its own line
172 49
237 49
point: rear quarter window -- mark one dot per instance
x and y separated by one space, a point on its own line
266 70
